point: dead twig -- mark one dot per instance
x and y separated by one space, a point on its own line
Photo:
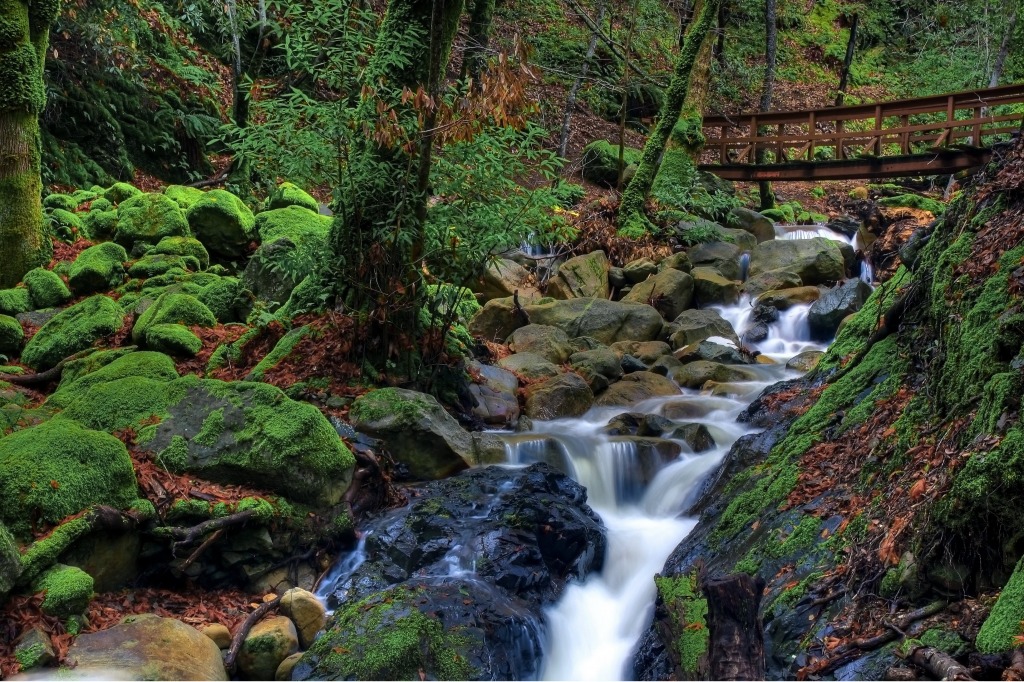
186 537
231 659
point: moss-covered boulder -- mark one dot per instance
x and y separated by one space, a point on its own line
244 433
148 364
120 191
148 218
173 339
601 162
90 361
416 430
292 239
15 301
226 298
62 201
148 647
67 591
268 643
98 268
183 196
581 276
155 264
183 246
606 321
99 224
120 403
223 223
46 289
11 336
815 261
1000 630
288 194
10 562
72 330
172 308
63 225
58 468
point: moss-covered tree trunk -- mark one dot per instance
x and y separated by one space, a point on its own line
478 39
631 211
24 36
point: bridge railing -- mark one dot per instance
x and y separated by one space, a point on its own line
900 128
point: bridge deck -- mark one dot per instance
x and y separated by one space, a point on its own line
929 135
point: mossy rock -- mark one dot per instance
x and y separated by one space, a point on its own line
120 191
148 364
11 336
68 591
154 264
97 225
172 308
98 268
15 301
223 223
46 289
62 201
100 204
10 562
916 201
58 468
120 403
89 361
1002 626
183 196
292 240
251 434
148 218
288 194
72 330
63 225
183 246
226 299
173 339
601 162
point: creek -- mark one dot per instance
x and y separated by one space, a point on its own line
640 495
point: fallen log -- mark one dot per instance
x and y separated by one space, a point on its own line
736 646
938 664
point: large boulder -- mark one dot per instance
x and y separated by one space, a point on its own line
828 311
696 374
11 336
288 194
670 292
292 239
529 366
696 325
416 431
551 343
605 321
182 246
72 330
501 278
148 218
754 223
815 261
635 387
584 276
636 271
784 299
711 288
268 643
494 390
58 468
146 647
601 361
767 281
146 364
98 268
721 256
223 223
46 288
306 612
172 308
567 395
499 318
601 162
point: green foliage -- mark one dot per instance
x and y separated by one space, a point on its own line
688 613
917 201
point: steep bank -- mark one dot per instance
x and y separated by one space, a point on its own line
887 479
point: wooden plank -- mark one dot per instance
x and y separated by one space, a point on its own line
940 163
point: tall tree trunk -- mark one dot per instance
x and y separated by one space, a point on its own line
477 41
631 217
574 91
625 96
845 77
25 31
771 33
1004 49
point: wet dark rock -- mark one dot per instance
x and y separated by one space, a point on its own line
696 436
828 311
631 364
845 224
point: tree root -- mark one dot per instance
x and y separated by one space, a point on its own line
46 377
231 659
186 537
1016 669
939 665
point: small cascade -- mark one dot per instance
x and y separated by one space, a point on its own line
744 265
867 272
343 568
810 232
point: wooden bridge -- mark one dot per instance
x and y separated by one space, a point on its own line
932 135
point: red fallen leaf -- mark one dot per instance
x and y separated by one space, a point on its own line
54 485
694 626
918 489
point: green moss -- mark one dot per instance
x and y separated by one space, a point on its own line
98 268
914 201
222 222
183 196
175 456
789 597
224 298
100 204
688 614
288 194
183 246
89 361
14 301
1004 623
384 637
68 591
173 339
148 218
382 403
72 330
601 162
120 191
281 350
99 224
59 468
121 403
172 308
46 289
148 364
945 641
63 225
801 539
212 429
29 657
153 264
11 336
62 201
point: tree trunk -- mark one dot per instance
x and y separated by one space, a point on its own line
22 97
631 218
770 57
736 646
570 102
850 45
477 41
1004 49
625 97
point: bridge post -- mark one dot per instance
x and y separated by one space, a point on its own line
878 130
812 133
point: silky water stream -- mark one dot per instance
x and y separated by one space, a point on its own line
594 627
